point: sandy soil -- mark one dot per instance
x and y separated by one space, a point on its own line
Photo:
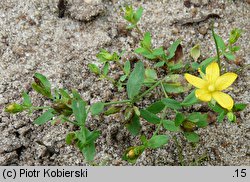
34 39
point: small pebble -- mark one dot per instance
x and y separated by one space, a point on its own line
194 12
175 30
205 2
192 32
216 24
187 3
202 30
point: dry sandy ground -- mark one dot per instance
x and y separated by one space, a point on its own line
33 39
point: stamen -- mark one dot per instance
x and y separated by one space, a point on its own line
211 88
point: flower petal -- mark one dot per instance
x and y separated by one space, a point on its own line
212 72
223 99
203 95
225 81
195 81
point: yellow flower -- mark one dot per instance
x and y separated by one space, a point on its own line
211 84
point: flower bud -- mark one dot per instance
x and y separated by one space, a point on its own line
189 126
131 154
231 117
14 108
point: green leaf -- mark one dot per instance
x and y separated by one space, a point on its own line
195 52
144 140
150 117
94 68
112 110
229 56
56 94
42 85
196 117
239 107
64 93
91 136
199 119
179 118
221 117
134 126
86 143
235 35
86 137
89 151
81 137
128 13
43 81
105 69
201 124
192 137
26 100
158 52
190 99
145 52
138 14
159 64
149 55
123 78
70 137
235 48
173 87
175 66
172 49
105 56
116 56
135 80
79 110
171 103
141 50
216 107
146 43
40 90
195 65
170 125
76 95
156 107
97 108
150 74
46 116
127 67
220 42
158 141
